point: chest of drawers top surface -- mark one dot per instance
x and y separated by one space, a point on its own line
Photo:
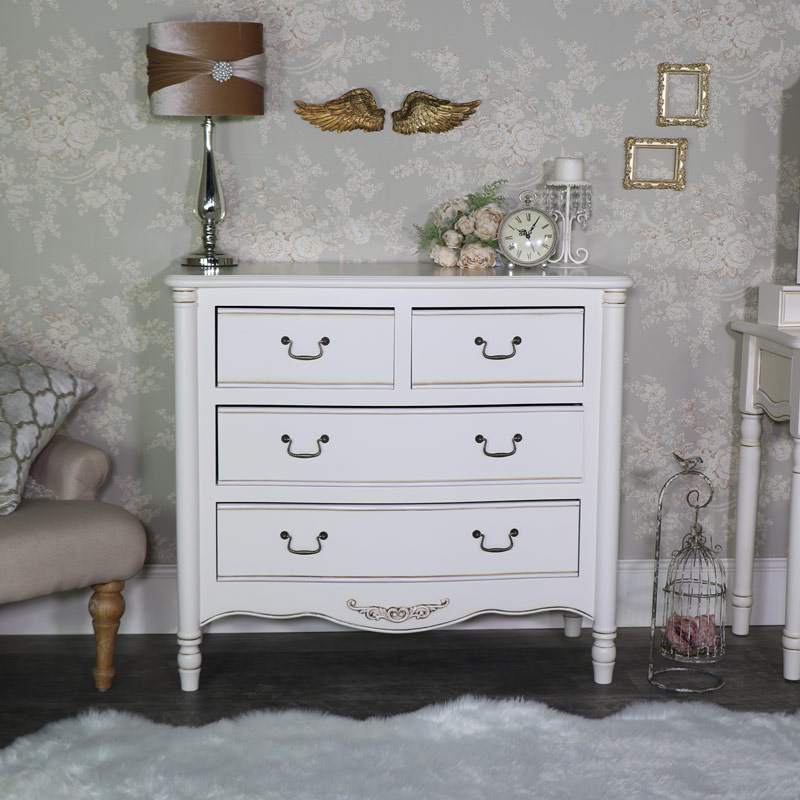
394 274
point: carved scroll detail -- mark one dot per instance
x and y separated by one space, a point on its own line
397 614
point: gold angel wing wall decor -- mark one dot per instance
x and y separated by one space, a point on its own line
423 113
354 110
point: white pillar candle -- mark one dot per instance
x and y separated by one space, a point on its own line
568 170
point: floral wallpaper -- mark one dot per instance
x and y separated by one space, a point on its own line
96 196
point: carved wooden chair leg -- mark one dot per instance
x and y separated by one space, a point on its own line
106 607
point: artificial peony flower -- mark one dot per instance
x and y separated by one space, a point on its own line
465 225
487 220
476 256
450 209
443 256
452 238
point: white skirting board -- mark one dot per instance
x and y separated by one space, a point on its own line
152 606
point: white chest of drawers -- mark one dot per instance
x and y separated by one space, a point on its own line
395 448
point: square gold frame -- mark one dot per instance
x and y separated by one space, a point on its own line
678 180
700 117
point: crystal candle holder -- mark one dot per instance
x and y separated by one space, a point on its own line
569 202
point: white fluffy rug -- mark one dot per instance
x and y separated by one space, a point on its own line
462 750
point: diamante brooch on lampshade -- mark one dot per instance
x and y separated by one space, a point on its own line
222 71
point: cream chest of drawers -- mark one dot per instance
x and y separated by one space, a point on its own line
395 447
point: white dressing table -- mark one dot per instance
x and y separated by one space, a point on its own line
769 384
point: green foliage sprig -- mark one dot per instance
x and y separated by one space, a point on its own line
428 234
486 195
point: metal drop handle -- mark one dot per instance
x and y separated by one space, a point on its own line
321 343
511 534
287 440
321 536
479 340
482 440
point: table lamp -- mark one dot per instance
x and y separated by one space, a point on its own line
206 69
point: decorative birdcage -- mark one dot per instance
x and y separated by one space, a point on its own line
693 618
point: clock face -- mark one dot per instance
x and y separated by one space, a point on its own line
528 236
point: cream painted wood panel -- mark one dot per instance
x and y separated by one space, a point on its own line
515 346
390 541
779 305
346 450
398 605
774 377
297 347
399 445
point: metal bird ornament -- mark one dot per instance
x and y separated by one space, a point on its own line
423 113
354 110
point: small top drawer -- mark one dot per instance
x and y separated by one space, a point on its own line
305 347
498 346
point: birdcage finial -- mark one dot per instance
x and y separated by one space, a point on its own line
688 464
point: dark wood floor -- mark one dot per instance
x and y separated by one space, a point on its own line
45 678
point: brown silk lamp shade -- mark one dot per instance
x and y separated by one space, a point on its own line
206 69
180 59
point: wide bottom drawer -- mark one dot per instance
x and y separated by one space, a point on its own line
280 541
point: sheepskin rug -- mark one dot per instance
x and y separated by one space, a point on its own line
466 749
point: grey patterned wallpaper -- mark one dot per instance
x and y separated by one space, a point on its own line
96 195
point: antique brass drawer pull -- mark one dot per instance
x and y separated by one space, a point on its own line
482 440
321 536
511 534
321 343
479 340
287 440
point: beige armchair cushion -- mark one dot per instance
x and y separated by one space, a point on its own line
50 546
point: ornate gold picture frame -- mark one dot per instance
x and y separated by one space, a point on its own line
700 116
678 179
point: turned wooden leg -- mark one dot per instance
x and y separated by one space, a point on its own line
106 607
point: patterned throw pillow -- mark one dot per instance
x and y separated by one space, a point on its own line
34 401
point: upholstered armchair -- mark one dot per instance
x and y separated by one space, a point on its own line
72 542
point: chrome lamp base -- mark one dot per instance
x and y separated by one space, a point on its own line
212 260
210 208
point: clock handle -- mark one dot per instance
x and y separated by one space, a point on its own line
479 340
